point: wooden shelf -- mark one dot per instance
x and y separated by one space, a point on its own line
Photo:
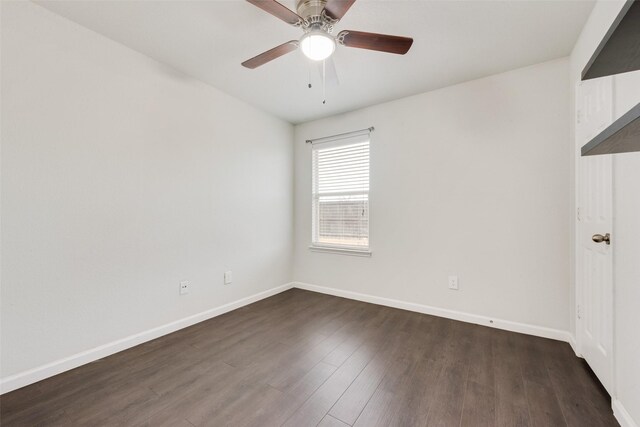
623 136
619 50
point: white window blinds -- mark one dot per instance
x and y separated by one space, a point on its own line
341 193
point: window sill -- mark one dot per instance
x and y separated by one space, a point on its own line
342 251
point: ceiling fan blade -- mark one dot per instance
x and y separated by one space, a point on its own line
271 54
330 73
373 41
336 9
278 10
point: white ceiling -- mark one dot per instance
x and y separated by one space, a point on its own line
454 41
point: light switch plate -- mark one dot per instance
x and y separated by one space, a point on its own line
453 282
228 277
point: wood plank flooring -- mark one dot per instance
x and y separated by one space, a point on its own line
306 359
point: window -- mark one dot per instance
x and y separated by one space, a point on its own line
341 193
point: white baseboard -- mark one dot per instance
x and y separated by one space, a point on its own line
621 414
37 374
574 345
523 328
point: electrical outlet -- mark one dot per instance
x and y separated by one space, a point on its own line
453 282
184 287
228 277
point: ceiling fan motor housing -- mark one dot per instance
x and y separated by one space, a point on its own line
313 13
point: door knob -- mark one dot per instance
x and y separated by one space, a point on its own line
599 238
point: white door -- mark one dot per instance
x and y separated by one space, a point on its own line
594 273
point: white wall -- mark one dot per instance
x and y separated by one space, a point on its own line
470 180
626 224
120 178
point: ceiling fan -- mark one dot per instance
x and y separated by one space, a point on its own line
317 18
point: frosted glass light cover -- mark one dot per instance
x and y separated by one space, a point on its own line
317 45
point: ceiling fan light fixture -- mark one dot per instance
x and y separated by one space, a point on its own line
317 45
317 18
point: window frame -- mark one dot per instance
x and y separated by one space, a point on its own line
338 141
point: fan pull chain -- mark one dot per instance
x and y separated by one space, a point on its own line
309 70
324 82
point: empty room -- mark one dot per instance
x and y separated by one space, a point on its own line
323 213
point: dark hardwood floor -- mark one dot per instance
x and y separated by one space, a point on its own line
306 359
